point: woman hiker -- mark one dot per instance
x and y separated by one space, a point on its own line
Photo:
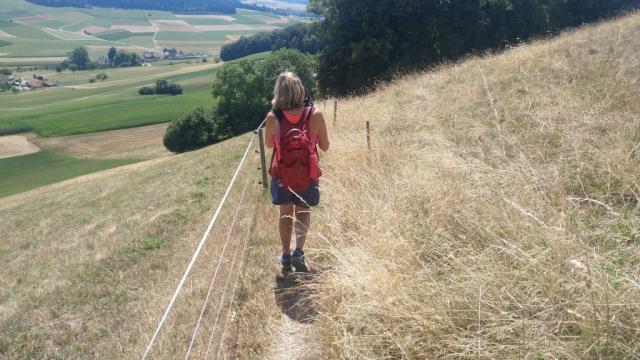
295 129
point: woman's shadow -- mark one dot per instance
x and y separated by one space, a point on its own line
293 294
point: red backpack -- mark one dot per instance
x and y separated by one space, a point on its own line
295 157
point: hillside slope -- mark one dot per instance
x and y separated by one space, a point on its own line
496 216
87 265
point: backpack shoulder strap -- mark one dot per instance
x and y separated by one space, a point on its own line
278 113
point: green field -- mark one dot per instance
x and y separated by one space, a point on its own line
201 21
53 32
201 36
79 107
118 35
110 105
28 172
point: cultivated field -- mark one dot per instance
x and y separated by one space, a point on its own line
80 107
16 145
26 172
144 142
35 34
31 161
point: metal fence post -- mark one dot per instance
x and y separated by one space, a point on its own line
263 159
335 111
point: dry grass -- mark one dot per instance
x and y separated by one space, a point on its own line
87 268
495 218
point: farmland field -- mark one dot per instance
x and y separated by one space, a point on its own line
39 32
80 107
82 125
27 172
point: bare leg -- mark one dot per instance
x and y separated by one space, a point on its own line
285 225
303 220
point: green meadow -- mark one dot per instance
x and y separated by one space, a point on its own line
28 172
113 104
201 36
79 107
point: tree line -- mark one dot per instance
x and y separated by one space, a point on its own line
181 6
78 59
299 36
368 41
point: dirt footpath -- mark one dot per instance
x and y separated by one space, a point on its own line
16 145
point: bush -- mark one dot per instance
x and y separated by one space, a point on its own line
164 87
92 80
146 90
191 131
174 89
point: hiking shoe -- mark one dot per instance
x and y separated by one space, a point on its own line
285 261
297 260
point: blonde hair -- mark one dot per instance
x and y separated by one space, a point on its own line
289 92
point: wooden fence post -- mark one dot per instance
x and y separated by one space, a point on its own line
368 135
335 111
263 159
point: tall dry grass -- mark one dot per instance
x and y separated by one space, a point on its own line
496 216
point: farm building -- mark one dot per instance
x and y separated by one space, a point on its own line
149 56
36 82
102 61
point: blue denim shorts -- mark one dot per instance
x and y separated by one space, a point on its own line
304 198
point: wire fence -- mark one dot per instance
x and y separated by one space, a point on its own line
230 274
239 257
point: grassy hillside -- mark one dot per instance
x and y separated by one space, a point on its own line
496 217
87 266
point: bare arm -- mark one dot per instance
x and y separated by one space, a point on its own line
272 128
318 127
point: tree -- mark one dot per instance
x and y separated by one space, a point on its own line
102 77
146 90
126 59
368 41
162 87
244 89
79 57
290 60
190 132
59 69
302 37
112 55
